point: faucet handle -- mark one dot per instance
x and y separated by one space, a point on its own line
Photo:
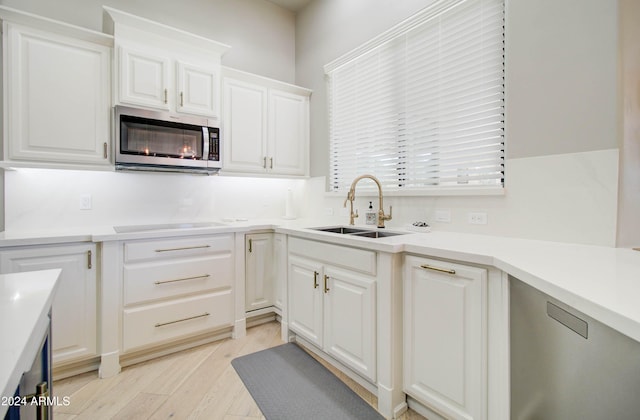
355 214
383 216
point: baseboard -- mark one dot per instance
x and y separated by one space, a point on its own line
173 347
68 370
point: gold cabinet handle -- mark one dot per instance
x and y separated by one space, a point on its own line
181 98
183 248
271 163
326 279
250 245
434 268
182 320
204 276
264 162
315 279
105 150
89 260
166 96
42 392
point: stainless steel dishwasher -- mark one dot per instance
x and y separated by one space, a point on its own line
565 365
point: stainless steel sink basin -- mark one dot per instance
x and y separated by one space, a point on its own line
164 226
351 231
340 229
377 234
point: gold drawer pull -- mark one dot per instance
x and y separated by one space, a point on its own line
315 279
183 248
204 276
182 320
326 279
40 399
442 270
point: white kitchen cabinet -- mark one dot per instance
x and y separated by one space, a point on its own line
57 101
266 125
168 84
259 271
445 330
75 304
305 299
332 301
288 124
197 89
165 68
144 79
173 288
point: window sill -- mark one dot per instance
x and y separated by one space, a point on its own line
435 192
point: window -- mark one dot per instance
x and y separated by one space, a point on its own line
421 107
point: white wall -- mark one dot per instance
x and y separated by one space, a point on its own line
562 124
39 199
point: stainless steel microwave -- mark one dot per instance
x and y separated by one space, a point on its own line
159 141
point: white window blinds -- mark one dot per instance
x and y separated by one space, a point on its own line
422 106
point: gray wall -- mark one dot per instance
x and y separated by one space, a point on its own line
561 79
261 34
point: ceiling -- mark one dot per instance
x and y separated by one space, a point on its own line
293 5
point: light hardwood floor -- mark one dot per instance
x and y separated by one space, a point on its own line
199 383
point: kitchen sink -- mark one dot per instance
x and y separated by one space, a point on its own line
377 234
164 226
365 233
341 229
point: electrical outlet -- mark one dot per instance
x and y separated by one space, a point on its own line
85 202
477 218
443 216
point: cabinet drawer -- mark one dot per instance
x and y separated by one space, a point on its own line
154 324
340 256
177 247
155 280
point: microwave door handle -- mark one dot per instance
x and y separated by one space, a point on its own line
205 143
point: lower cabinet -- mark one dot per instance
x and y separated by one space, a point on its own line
332 301
174 288
74 306
259 271
445 333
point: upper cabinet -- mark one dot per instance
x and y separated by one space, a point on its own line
56 93
164 68
265 125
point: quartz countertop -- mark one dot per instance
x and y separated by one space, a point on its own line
25 301
602 282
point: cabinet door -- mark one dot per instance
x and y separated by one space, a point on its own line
280 269
144 79
305 298
57 93
445 336
245 127
197 90
350 319
288 133
74 306
259 290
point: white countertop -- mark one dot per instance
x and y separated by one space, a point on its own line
25 301
602 282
